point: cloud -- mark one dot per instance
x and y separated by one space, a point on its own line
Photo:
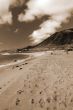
59 11
5 13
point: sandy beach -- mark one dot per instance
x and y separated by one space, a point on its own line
44 82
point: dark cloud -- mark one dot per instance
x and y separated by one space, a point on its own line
16 10
17 35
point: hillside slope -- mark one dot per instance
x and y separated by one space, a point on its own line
59 40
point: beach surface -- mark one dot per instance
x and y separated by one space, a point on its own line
41 82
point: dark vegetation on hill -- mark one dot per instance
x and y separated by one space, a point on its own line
59 40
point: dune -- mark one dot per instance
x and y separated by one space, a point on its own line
44 82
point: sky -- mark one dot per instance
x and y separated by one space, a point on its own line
29 22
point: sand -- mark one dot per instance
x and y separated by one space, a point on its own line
41 83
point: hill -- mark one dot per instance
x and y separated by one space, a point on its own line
59 40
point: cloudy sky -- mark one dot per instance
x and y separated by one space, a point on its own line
28 22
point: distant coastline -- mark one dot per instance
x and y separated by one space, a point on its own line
11 58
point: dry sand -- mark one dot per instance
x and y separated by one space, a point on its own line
42 83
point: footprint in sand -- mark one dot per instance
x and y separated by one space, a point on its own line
42 103
20 91
4 85
47 108
26 63
15 60
17 66
41 92
32 101
0 88
17 101
23 64
48 99
8 82
20 68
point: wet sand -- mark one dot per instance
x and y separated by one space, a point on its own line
41 83
4 59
